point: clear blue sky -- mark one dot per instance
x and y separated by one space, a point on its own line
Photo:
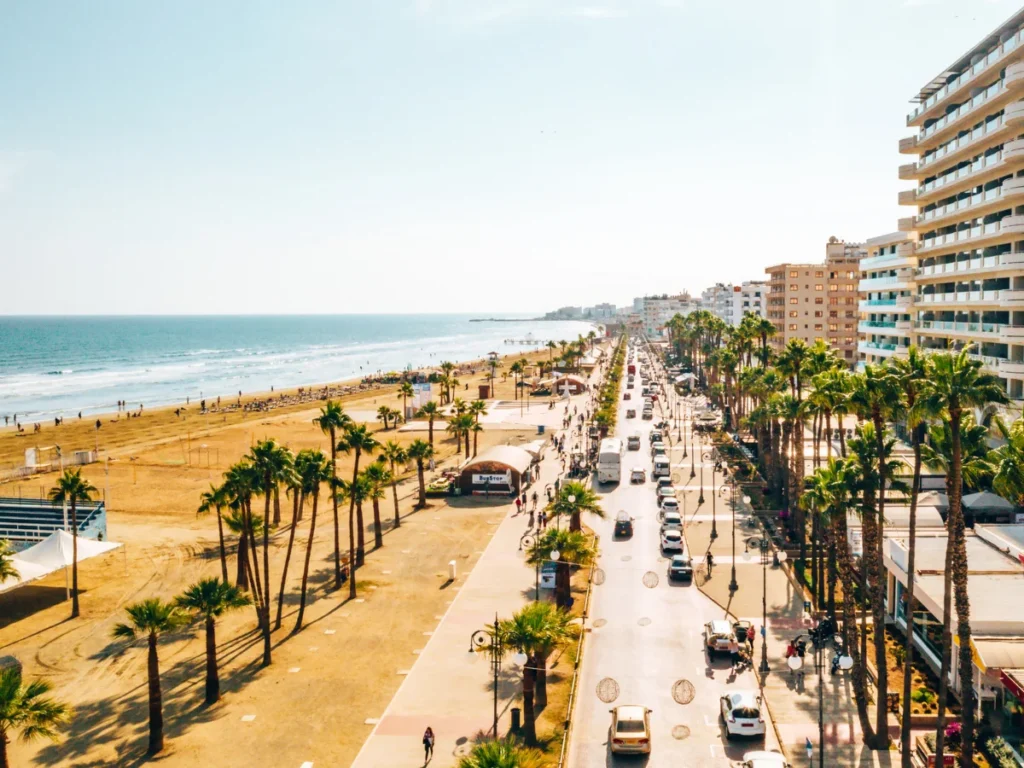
477 155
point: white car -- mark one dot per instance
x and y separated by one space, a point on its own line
638 475
670 518
671 505
762 760
630 730
671 540
741 713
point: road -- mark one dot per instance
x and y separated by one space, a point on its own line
646 635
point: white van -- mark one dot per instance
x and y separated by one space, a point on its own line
661 467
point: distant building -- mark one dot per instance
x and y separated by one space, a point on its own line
565 313
818 302
731 302
599 312
655 311
887 288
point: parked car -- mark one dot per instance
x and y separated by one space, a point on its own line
741 713
671 540
654 436
627 396
630 730
648 414
633 442
631 413
657 448
638 475
665 492
664 482
670 505
762 760
681 568
718 637
623 524
671 518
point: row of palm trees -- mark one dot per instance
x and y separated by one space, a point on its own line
933 398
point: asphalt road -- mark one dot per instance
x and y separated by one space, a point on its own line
646 636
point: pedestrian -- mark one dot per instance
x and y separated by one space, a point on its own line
750 638
543 520
428 745
524 498
519 505
711 562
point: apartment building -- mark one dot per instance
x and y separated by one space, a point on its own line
968 233
731 302
887 294
658 310
818 302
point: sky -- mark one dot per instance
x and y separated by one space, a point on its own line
247 156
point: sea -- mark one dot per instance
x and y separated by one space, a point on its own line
57 366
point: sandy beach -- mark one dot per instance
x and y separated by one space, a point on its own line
313 700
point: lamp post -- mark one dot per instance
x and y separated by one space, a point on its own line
490 641
693 472
712 457
763 547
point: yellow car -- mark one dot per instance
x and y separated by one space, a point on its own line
631 730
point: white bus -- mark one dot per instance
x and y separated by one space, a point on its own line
609 461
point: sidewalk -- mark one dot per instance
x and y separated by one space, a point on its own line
446 686
793 706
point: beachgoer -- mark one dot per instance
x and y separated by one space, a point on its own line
519 505
97 423
711 562
750 637
428 745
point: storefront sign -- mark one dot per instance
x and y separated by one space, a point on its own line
505 479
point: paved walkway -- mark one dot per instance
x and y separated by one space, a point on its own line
793 702
446 686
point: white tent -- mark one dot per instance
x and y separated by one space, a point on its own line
51 554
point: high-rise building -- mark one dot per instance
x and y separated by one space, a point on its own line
658 310
731 302
818 302
968 234
718 300
887 288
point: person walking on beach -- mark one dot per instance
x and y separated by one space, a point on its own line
428 745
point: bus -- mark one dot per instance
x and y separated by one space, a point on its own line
609 461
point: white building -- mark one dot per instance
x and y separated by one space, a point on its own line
731 302
658 310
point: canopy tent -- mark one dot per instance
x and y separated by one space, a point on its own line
985 500
933 499
51 554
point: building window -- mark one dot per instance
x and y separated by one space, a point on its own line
793 313
818 313
817 326
819 300
793 300
817 287
792 326
850 300
819 273
833 287
833 327
794 287
794 273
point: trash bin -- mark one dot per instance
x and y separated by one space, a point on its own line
540 429
516 720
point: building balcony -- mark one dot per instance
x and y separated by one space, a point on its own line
1001 163
997 58
904 224
959 149
978 236
993 98
1013 114
908 171
887 283
907 197
1011 368
870 327
979 298
965 267
1009 193
900 304
888 261
880 348
908 145
958 328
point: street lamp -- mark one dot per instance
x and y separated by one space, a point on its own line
763 546
693 472
490 640
711 456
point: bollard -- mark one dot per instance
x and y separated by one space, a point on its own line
516 721
451 570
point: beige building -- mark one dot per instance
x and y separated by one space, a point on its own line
818 302
967 237
887 289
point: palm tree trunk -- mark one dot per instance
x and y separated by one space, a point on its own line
360 536
334 499
74 559
832 573
212 679
423 486
860 677
529 714
254 564
223 553
298 502
305 567
880 580
541 689
156 707
947 650
430 430
266 571
353 562
277 506
287 560
378 537
394 493
3 749
242 574
474 443
908 646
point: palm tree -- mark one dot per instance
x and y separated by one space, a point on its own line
449 380
476 429
152 618
535 630
378 476
295 481
27 708
429 411
274 464
315 471
912 374
394 454
421 452
333 420
574 549
552 346
583 499
71 489
478 408
210 599
215 500
516 369
384 414
357 440
958 385
405 391
7 569
503 753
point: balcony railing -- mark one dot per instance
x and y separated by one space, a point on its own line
973 264
961 327
975 136
880 345
951 297
976 232
981 164
879 302
964 109
966 203
967 75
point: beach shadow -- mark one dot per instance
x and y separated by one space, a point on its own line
25 601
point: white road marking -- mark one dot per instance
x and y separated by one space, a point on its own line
248 718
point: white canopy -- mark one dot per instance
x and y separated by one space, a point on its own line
51 554
986 500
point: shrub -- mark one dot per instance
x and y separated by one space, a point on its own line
926 696
999 753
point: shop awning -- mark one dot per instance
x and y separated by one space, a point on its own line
996 653
1013 680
